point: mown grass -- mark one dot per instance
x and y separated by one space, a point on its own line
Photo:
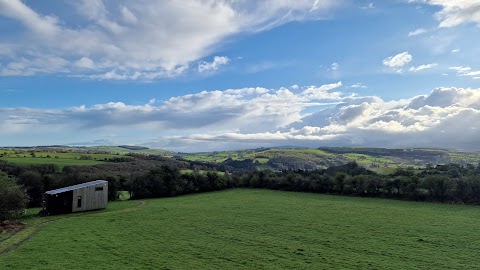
257 229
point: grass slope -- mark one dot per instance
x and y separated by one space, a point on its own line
122 150
59 162
382 160
252 229
59 159
71 156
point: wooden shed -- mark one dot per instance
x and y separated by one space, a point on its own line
82 197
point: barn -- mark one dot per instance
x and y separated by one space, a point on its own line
82 197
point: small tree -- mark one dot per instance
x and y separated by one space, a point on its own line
13 198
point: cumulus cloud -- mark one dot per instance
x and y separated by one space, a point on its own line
232 109
251 117
137 39
217 62
447 117
398 61
454 13
322 92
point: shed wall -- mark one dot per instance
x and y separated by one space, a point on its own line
91 198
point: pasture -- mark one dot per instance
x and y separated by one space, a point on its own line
58 162
251 229
61 159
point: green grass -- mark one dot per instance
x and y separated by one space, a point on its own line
120 150
190 171
385 170
256 229
57 161
366 159
69 155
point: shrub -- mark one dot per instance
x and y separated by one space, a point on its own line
13 198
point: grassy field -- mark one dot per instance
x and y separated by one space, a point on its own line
59 162
253 229
262 156
120 150
382 165
383 161
59 159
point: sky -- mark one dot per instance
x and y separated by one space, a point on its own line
210 75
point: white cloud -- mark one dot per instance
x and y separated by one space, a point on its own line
358 85
398 61
38 24
322 92
42 63
217 62
251 117
460 69
455 50
423 67
417 32
471 74
151 38
232 109
465 71
85 62
455 12
447 117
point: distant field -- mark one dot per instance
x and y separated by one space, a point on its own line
59 159
262 156
116 149
185 171
216 156
381 160
59 162
253 229
320 158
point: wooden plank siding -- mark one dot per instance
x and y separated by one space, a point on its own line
92 197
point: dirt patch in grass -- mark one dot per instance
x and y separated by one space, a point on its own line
9 226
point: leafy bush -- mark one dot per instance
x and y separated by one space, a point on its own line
13 199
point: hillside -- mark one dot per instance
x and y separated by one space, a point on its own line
125 149
378 159
62 156
251 229
381 160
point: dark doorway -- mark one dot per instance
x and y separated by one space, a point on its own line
60 203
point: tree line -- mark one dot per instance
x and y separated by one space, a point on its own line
450 183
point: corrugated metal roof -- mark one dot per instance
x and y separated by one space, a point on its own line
65 189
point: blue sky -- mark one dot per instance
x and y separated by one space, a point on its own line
214 75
